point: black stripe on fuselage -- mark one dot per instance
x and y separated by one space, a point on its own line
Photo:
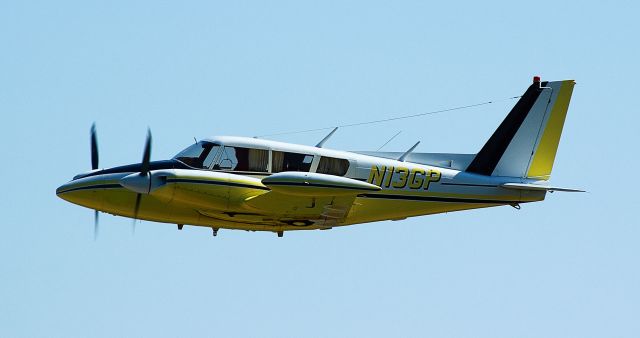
488 157
174 180
165 164
89 187
230 184
133 168
437 199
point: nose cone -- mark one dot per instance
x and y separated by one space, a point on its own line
84 192
63 189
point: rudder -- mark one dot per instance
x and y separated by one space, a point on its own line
546 148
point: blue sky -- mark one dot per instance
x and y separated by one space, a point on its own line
566 267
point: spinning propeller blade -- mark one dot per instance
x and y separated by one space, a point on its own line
144 171
94 166
95 224
146 156
94 147
135 213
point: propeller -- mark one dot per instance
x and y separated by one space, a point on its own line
94 147
141 179
144 172
94 166
95 224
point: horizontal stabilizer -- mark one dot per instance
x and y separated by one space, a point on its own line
530 186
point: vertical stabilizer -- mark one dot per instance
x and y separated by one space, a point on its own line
526 142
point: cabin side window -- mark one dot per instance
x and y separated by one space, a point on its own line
243 159
283 161
333 166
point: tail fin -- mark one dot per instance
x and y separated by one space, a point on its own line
525 143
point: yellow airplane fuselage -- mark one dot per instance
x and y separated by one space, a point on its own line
261 185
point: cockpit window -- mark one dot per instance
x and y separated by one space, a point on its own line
200 155
207 155
283 161
243 159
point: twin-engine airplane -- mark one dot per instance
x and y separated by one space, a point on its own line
260 185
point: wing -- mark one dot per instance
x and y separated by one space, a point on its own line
287 198
305 199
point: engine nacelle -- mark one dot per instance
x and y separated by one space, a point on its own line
314 184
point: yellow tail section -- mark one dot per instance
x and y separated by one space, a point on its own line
547 147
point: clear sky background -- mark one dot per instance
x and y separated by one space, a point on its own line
566 267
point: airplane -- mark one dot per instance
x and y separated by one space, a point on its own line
261 185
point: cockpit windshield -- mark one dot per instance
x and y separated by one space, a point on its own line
212 156
200 155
